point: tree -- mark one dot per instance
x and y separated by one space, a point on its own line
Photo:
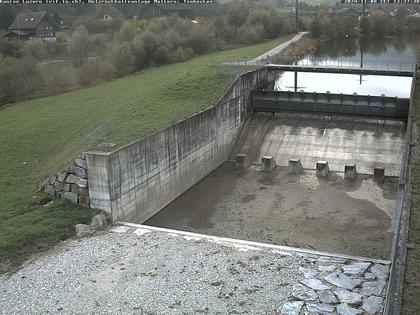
123 59
35 49
79 45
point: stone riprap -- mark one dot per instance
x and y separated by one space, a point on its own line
146 270
71 183
339 286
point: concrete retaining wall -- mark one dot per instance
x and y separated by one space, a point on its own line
138 180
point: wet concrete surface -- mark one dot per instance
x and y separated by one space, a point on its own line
333 215
340 140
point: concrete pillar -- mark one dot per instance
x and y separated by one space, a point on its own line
322 169
242 161
295 167
268 163
350 172
379 174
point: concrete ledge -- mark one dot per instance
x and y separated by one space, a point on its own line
231 241
379 174
322 169
268 163
242 161
350 172
295 167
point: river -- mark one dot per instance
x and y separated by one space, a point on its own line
390 54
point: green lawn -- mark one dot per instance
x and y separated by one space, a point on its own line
39 137
411 301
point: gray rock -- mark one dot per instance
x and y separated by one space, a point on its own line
373 288
83 230
83 183
320 308
381 271
61 177
98 222
66 187
370 276
59 186
49 190
301 292
348 297
357 268
329 268
292 308
315 284
308 272
73 179
81 172
341 280
81 163
69 196
327 297
373 304
344 309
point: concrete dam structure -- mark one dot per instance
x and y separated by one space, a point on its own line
309 171
138 180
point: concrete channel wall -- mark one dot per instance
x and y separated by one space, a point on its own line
138 180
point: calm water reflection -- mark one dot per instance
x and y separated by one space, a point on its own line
385 54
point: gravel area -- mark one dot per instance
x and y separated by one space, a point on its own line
141 270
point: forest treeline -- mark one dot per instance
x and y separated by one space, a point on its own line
375 23
101 50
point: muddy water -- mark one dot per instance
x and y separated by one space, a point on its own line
301 211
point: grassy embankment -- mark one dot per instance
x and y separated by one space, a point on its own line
39 137
411 297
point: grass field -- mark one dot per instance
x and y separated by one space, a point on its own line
39 137
411 300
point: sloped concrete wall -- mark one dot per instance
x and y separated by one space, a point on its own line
138 180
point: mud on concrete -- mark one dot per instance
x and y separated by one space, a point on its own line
333 215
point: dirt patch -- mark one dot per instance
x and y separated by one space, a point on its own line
301 211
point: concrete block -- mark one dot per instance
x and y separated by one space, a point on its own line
350 172
379 174
242 161
322 169
295 167
268 163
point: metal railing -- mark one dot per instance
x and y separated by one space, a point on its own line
316 62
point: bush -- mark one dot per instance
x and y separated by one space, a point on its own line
122 59
95 71
11 48
19 78
35 49
79 45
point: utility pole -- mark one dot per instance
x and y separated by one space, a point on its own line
297 16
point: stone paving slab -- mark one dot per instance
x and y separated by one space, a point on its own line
147 270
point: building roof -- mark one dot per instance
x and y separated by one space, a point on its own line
27 20
171 6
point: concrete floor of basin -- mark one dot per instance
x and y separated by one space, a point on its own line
333 215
